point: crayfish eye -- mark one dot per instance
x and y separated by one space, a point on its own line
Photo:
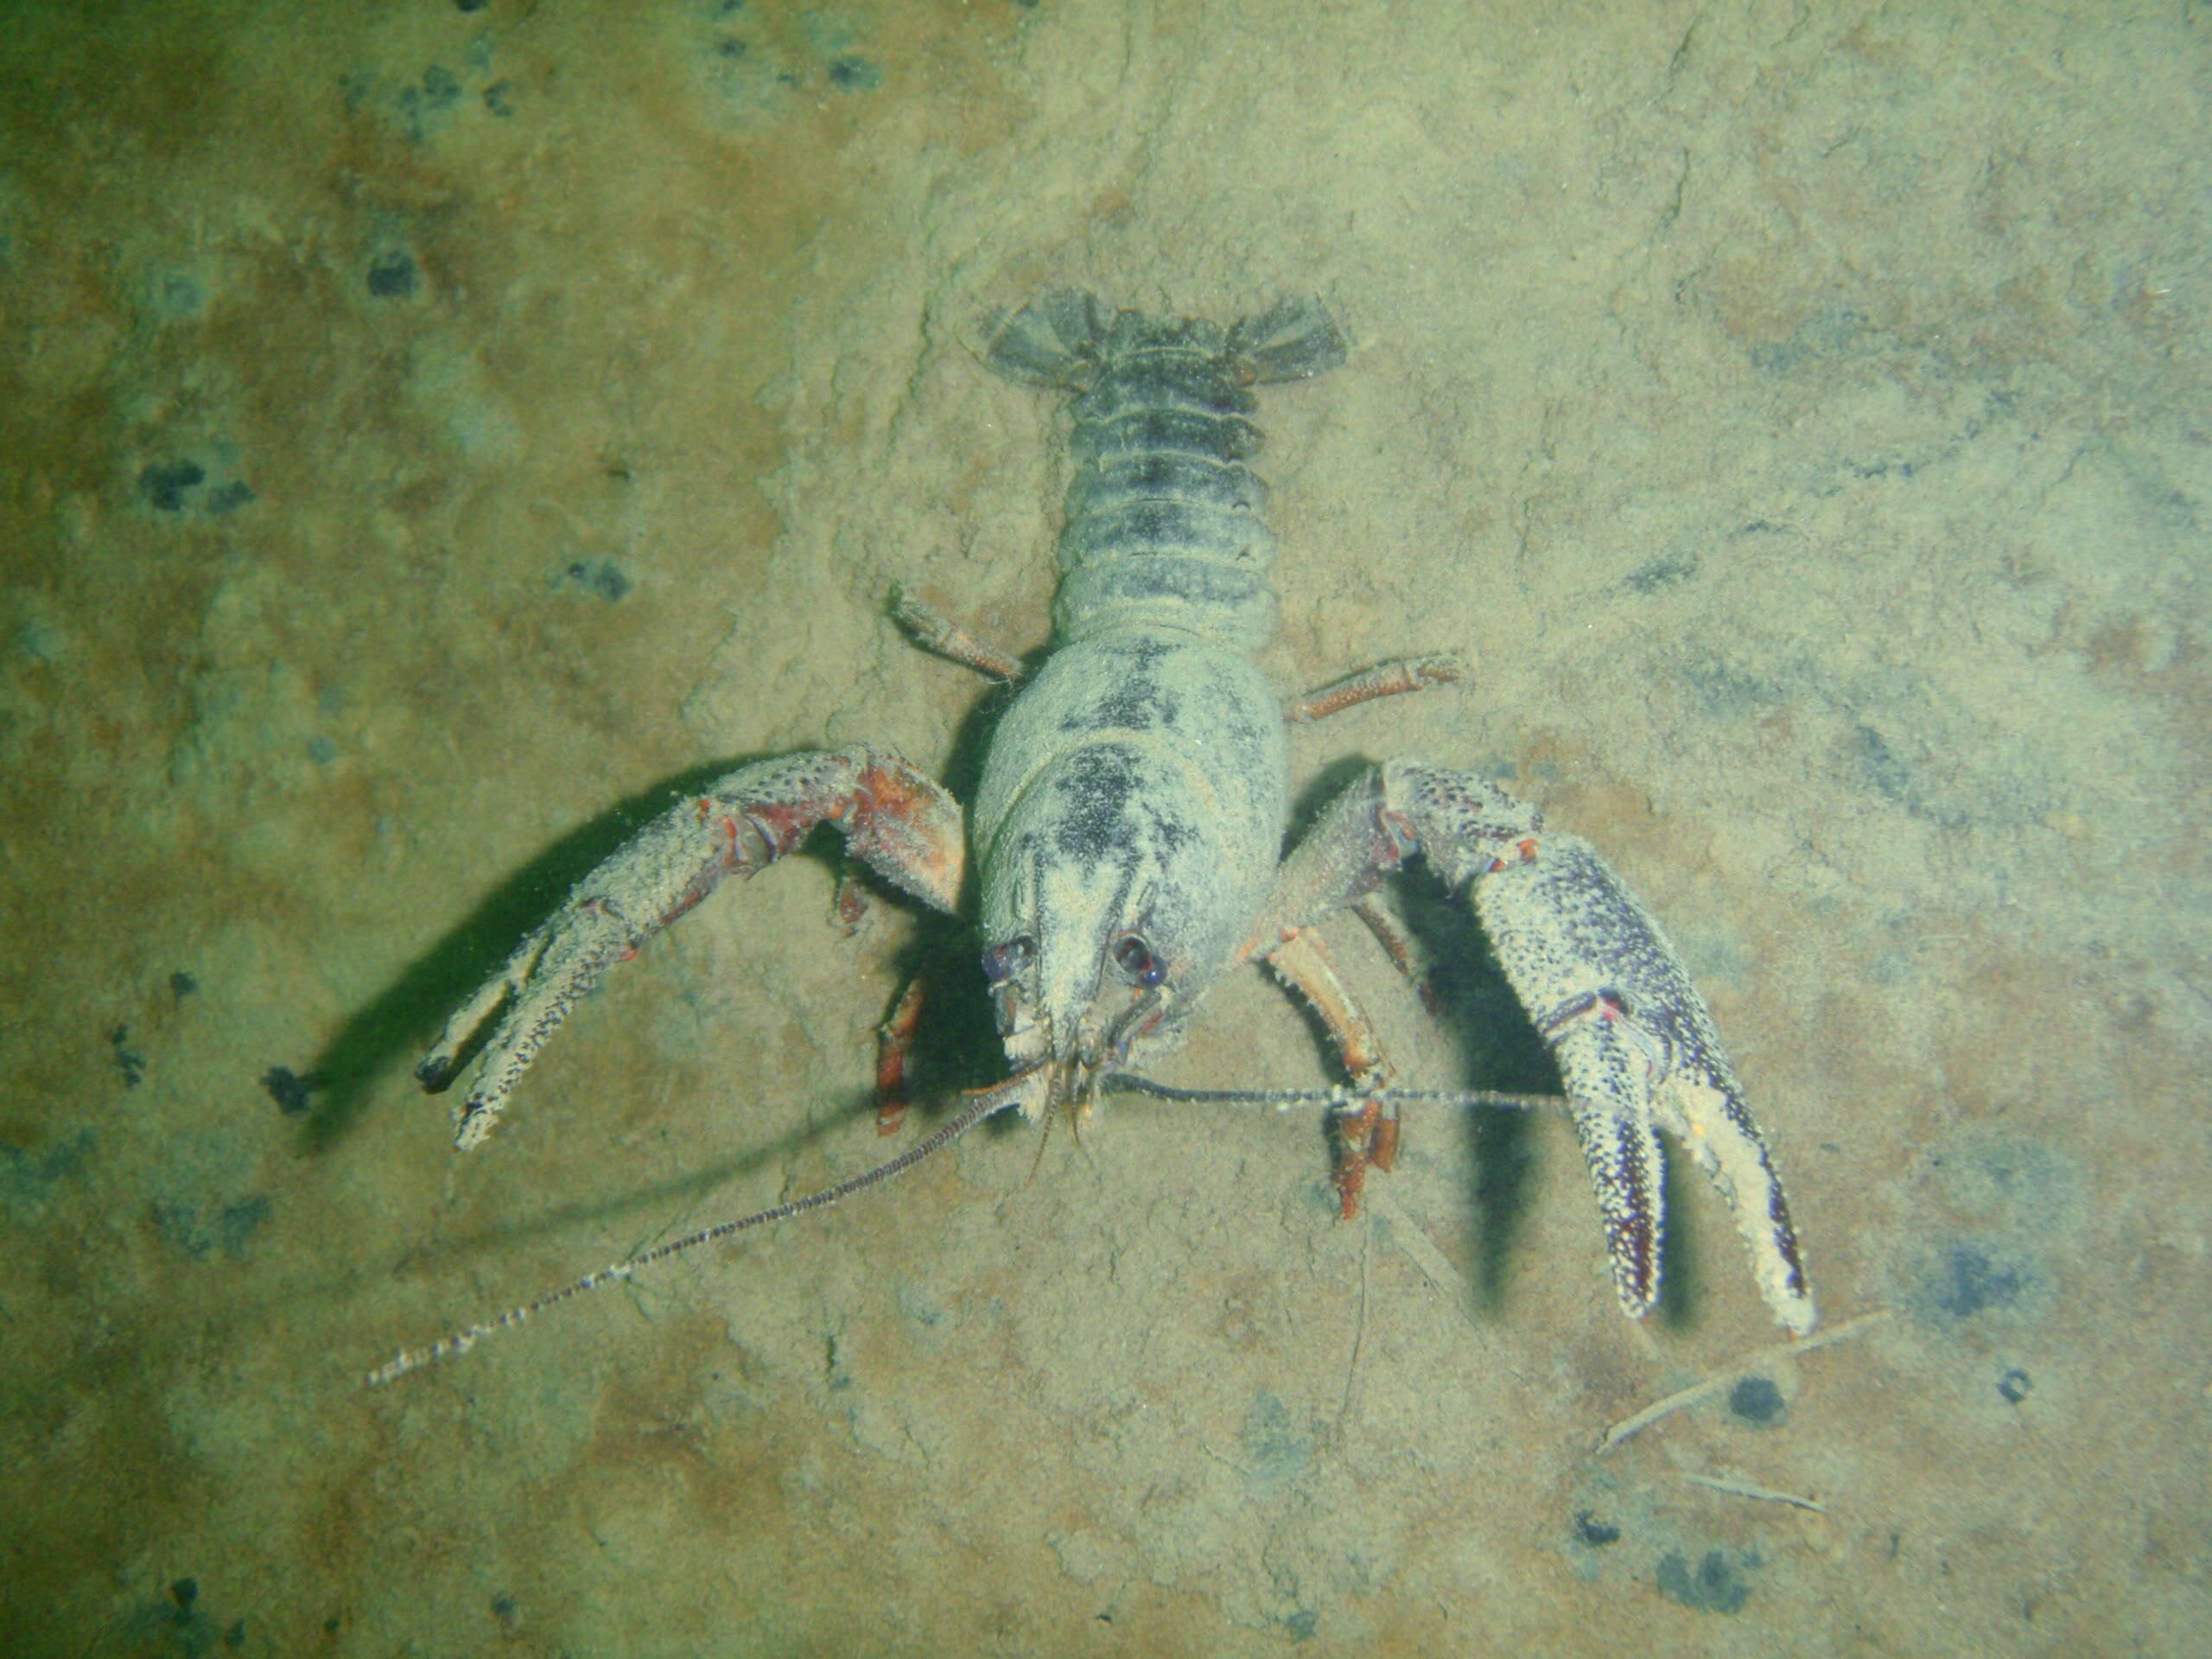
1134 958
1003 961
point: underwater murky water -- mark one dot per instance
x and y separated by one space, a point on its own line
439 434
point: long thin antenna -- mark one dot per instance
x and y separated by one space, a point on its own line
984 1105
1340 1098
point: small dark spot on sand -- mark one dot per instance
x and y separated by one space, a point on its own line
393 275
440 88
288 1089
1716 1585
601 576
164 483
1593 1532
128 1060
1967 1282
28 1179
199 1231
178 298
1757 1400
1890 776
1660 573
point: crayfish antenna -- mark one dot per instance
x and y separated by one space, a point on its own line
1339 1098
981 1103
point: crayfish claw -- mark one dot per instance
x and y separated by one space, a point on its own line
1637 1052
548 972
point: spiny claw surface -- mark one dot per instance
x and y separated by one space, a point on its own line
900 822
1634 1043
549 970
1636 1049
